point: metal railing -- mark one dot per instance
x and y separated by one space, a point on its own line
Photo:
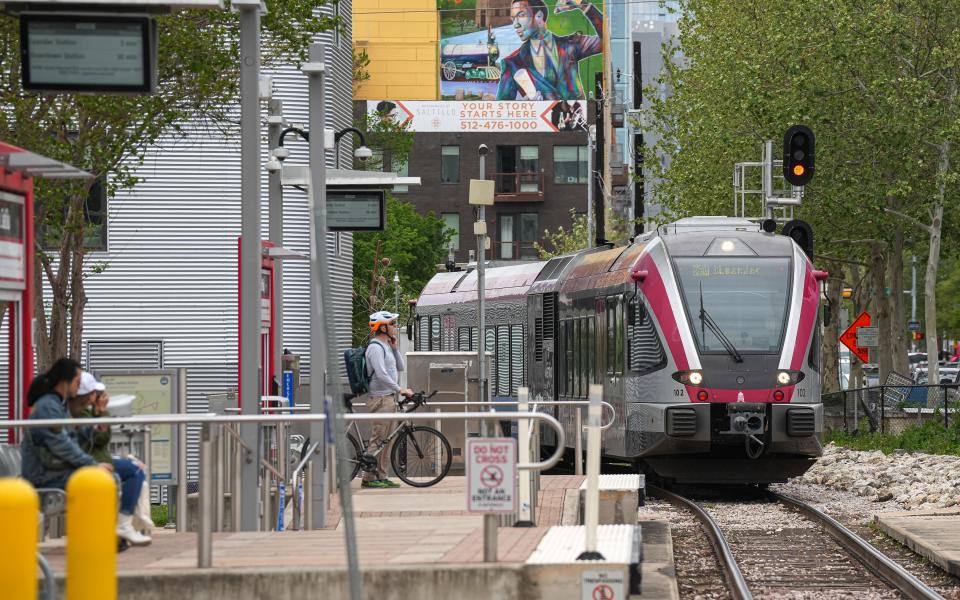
211 421
891 408
518 187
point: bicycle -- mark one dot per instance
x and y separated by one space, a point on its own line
420 457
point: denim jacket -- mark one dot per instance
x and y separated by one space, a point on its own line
51 454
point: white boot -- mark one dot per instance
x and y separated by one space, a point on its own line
126 531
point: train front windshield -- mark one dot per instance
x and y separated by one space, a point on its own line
746 298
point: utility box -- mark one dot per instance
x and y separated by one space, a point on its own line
454 376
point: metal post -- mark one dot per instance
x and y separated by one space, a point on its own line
319 384
237 456
592 511
590 149
249 249
318 256
481 303
147 458
768 177
205 522
275 195
525 518
221 466
913 297
307 501
490 523
578 441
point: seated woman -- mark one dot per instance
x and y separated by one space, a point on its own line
52 455
92 402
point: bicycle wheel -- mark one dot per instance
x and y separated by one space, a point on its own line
352 459
421 456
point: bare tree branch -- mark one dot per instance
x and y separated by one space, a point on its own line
910 219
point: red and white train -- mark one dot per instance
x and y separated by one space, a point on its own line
704 335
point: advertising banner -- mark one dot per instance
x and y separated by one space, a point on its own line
534 117
519 49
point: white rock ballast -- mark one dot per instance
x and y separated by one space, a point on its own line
911 479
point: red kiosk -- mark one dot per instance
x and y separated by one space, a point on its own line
18 167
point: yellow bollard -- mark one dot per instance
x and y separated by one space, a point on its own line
91 535
19 514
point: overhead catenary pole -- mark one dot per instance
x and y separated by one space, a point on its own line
489 521
322 333
249 256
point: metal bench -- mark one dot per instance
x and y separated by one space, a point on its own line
53 501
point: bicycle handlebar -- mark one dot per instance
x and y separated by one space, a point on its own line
415 401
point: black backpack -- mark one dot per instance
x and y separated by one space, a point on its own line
355 360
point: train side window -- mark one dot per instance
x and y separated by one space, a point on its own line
615 335
581 358
423 333
611 337
813 358
568 356
644 348
435 334
490 345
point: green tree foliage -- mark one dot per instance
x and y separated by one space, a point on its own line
411 244
108 135
565 241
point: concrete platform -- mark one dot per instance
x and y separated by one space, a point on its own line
411 543
933 534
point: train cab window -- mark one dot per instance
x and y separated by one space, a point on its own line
644 350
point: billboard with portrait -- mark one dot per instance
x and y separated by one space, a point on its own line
519 49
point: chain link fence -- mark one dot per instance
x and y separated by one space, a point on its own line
891 408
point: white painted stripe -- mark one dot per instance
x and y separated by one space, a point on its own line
796 305
658 251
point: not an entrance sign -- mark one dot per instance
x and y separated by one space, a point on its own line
492 475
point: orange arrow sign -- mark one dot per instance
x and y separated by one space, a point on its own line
849 337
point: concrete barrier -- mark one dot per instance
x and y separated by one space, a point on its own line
619 499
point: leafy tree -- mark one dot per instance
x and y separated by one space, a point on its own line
565 241
109 135
411 245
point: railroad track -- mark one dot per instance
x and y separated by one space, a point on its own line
790 555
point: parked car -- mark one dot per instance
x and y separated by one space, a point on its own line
918 395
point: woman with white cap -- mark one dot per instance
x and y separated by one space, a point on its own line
92 399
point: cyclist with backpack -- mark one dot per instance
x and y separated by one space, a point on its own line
383 364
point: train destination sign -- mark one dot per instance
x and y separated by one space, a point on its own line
355 210
88 53
492 475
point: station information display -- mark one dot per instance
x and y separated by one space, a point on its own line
88 53
355 210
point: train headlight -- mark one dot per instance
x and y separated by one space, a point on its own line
789 377
688 377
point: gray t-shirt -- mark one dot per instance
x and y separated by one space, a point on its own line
384 363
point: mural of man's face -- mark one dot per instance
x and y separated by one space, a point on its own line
526 22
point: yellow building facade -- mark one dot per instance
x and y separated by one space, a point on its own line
400 37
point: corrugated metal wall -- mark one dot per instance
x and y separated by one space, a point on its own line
171 264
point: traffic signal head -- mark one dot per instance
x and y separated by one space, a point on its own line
798 155
847 293
800 232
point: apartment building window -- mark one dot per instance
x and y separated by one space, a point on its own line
518 232
518 169
451 222
449 164
570 164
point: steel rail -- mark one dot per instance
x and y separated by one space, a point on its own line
904 581
736 583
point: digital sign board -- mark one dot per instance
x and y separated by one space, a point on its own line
88 53
355 210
